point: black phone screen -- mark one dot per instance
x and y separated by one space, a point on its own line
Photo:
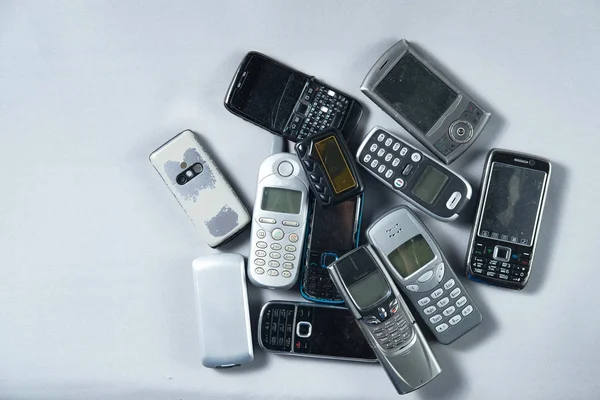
334 333
416 92
268 92
512 203
333 227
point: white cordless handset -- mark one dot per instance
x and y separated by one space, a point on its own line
278 222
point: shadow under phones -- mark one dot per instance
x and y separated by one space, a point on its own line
449 382
545 247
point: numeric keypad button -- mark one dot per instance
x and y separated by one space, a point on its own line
288 265
448 285
261 245
286 274
429 310
367 158
273 264
276 246
389 142
289 256
274 255
290 248
259 261
449 311
443 302
374 164
403 151
455 293
259 270
437 293
455 320
389 173
380 137
396 146
381 152
388 157
435 319
260 253
461 302
373 147
424 301
273 272
441 328
381 169
467 310
396 162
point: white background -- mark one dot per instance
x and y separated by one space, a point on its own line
96 296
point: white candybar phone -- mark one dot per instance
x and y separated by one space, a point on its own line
384 319
418 266
279 222
200 188
407 86
222 306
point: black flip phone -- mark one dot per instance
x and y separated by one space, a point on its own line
330 167
287 102
505 234
312 330
333 231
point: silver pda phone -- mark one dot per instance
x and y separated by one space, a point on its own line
223 313
418 266
424 101
385 320
504 237
200 188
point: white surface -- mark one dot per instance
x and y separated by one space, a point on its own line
96 293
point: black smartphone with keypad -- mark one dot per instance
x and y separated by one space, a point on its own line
287 102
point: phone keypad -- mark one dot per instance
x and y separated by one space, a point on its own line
448 307
277 327
483 265
323 108
317 283
390 159
393 332
281 248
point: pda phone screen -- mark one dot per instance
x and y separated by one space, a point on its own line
335 333
334 227
512 203
268 93
281 200
416 92
430 184
411 256
335 164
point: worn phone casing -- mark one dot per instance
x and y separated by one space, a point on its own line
208 198
224 325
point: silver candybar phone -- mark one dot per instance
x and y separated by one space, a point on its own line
223 314
279 222
384 319
200 188
418 266
412 174
407 86
505 233
312 330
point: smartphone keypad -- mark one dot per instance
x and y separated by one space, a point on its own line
483 264
321 108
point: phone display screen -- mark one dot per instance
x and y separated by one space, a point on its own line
335 164
333 227
281 200
430 184
411 256
360 273
512 203
415 92
335 333
267 92
369 290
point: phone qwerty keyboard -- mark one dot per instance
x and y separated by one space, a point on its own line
390 159
483 264
393 332
445 306
318 284
319 108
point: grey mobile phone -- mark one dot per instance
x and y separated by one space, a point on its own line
223 314
417 264
311 330
422 180
200 188
505 233
443 117
384 319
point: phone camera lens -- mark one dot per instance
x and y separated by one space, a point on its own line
197 168
181 179
531 162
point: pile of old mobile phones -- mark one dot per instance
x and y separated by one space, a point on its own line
504 236
287 102
312 330
424 101
330 167
333 231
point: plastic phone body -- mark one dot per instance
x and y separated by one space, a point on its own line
312 330
279 222
385 320
225 337
333 231
417 264
200 188
424 101
505 234
287 102
330 167
414 175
